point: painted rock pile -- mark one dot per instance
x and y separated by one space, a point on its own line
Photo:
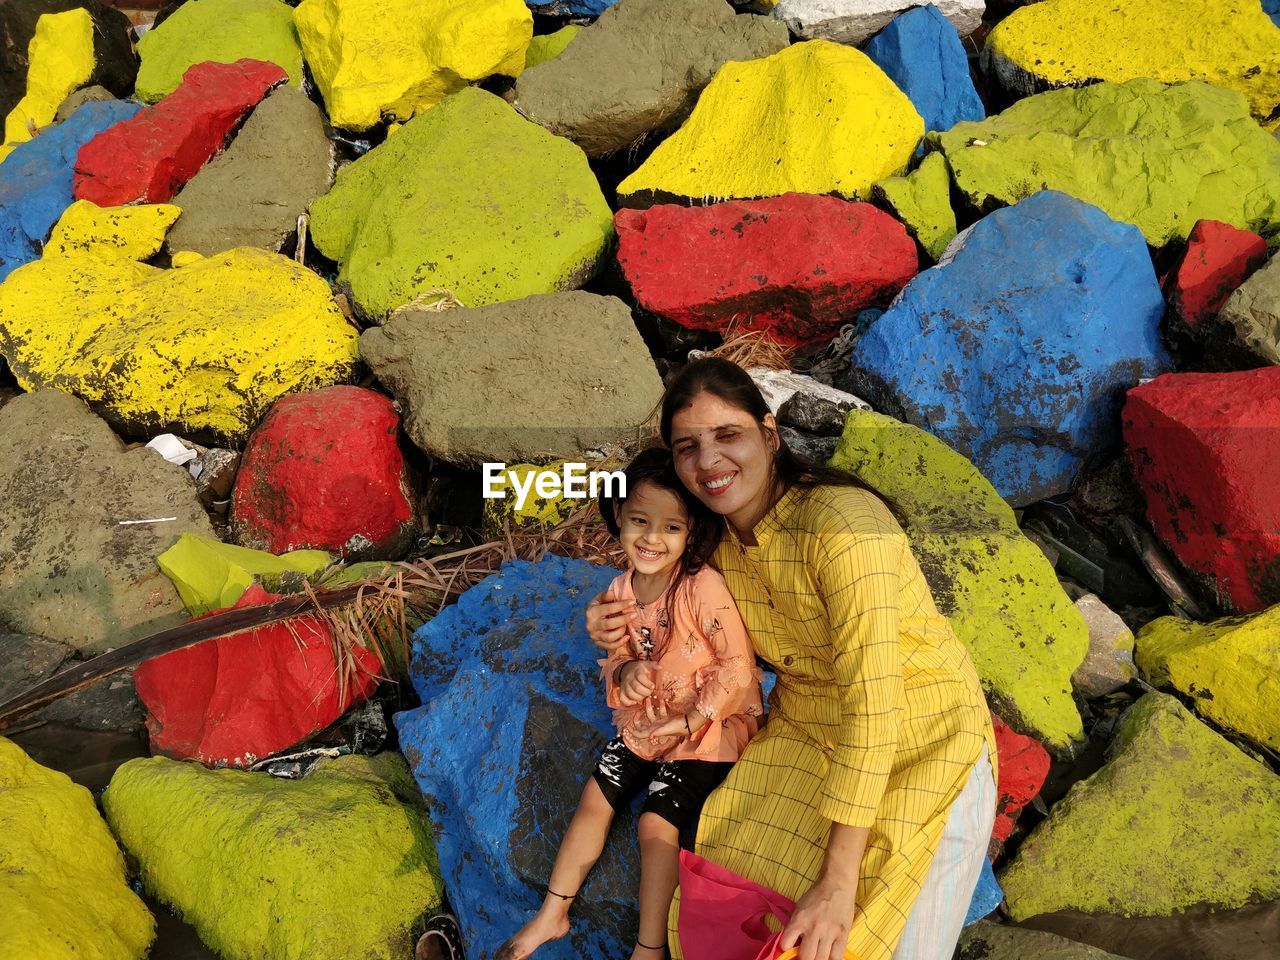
278 278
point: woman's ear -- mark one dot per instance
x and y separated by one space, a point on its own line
774 439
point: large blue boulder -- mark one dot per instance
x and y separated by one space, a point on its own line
1272 9
576 8
921 52
986 895
1017 348
36 179
513 719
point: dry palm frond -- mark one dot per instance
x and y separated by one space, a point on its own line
435 300
752 348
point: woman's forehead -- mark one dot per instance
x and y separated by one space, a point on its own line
708 412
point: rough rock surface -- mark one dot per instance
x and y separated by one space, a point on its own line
63 882
922 201
1229 668
1068 43
336 865
251 196
921 52
211 575
548 46
150 156
797 266
1203 448
507 511
223 31
390 59
1024 764
577 8
79 98
324 470
1177 817
985 940
26 660
204 349
1108 665
513 654
779 125
36 181
61 60
128 233
640 68
468 197
568 374
1015 349
779 387
110 704
1217 260
235 700
1000 593
75 573
115 64
1155 156
1253 313
852 21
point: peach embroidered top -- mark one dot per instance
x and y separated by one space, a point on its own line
707 664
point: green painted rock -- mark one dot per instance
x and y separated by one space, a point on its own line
639 68
528 381
1253 313
985 940
548 46
922 201
1177 817
211 575
467 197
223 31
1004 601
1230 668
335 866
1155 156
251 195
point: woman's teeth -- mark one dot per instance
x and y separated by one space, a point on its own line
719 483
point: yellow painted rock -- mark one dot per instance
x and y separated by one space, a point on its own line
211 575
203 350
62 877
535 511
784 124
1230 668
61 59
380 60
550 45
1068 43
129 233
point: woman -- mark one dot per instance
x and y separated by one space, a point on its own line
869 796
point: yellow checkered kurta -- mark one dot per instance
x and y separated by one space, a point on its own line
876 720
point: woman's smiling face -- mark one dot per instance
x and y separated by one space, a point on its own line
725 457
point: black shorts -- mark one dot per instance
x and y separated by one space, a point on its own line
677 788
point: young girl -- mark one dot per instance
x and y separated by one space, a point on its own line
686 697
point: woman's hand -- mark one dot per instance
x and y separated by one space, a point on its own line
822 920
608 619
639 680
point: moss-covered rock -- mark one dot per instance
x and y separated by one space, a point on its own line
1231 668
1178 817
334 866
922 201
1023 632
1158 157
62 878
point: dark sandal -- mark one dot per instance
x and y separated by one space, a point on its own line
440 940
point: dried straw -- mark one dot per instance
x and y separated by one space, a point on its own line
752 348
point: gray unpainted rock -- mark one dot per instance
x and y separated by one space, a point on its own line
816 414
1253 311
852 21
639 68
251 195
545 377
1108 665
109 704
69 570
985 940
80 97
819 449
26 660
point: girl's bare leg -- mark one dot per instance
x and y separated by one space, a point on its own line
579 850
659 873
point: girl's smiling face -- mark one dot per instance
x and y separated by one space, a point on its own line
653 529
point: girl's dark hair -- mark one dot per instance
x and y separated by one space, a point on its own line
728 381
655 465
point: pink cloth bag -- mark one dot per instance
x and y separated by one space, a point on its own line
722 915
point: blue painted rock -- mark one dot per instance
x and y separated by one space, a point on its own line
922 53
986 896
1016 349
36 180
576 8
513 658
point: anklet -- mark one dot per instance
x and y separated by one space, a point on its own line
647 947
560 895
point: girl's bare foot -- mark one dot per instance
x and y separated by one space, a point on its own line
544 926
649 953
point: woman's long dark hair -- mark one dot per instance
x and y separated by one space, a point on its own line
728 381
656 466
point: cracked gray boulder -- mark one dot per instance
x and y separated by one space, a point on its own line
1253 313
639 68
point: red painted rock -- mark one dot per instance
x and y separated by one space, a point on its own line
237 699
148 157
1204 449
324 471
797 265
1218 259
1024 764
